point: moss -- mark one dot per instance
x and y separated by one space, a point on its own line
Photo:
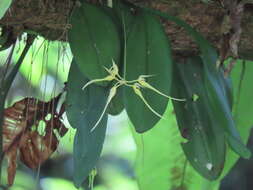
49 18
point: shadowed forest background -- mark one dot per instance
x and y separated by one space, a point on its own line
129 160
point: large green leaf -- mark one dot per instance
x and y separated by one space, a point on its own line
81 102
219 106
214 83
242 88
87 149
94 40
160 161
205 147
4 5
241 77
147 53
84 107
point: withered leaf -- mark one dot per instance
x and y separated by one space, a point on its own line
36 148
19 134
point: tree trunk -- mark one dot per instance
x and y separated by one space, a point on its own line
49 18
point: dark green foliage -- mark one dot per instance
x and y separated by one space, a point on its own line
228 89
147 53
219 104
134 38
84 107
205 147
216 88
94 40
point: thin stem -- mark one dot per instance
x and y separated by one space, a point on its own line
4 89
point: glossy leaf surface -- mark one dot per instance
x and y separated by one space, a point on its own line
94 41
205 147
242 111
84 107
214 82
147 53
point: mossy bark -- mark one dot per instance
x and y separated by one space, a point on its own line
50 19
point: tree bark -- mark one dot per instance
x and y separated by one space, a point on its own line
50 18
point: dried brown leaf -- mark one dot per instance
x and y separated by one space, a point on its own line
38 148
11 156
19 134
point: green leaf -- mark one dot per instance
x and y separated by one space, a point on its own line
160 161
241 77
242 89
81 102
94 40
205 147
87 149
147 53
219 106
4 5
84 107
214 83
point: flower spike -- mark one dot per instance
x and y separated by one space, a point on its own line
92 176
108 78
113 72
141 76
112 93
136 88
144 84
